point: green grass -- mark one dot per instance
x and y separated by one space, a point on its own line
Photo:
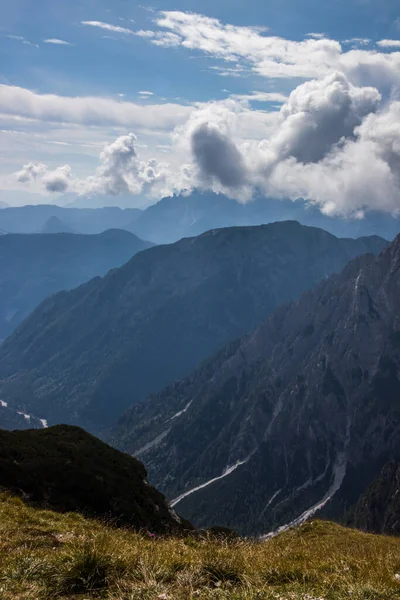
46 555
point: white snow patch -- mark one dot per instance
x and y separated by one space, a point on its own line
153 443
181 412
22 414
339 474
227 472
27 417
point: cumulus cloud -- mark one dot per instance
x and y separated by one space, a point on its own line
319 114
217 156
30 172
331 143
335 141
120 172
58 180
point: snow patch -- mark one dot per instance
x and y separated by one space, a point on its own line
181 412
27 417
153 443
227 472
270 501
339 474
22 414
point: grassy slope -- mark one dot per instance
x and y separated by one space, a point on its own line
47 555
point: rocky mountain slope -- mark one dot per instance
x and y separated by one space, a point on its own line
84 356
378 509
298 416
66 469
33 267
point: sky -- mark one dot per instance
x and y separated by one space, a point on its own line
131 102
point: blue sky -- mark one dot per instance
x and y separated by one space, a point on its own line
207 69
95 65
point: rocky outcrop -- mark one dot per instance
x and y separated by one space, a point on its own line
66 469
378 509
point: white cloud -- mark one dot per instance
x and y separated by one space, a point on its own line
30 172
57 42
316 36
89 110
120 172
261 97
273 56
59 180
388 43
357 41
108 27
334 141
318 115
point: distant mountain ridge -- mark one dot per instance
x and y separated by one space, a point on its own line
173 218
42 218
35 266
298 416
86 355
176 217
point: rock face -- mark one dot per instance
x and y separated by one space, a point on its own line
84 356
300 415
378 509
33 267
64 468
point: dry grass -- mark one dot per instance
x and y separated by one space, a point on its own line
45 555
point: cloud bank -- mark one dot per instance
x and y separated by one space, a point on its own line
335 140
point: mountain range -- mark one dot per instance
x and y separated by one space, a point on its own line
173 218
47 218
185 216
297 417
35 266
84 356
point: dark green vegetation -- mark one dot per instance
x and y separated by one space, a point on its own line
303 410
378 509
66 469
84 356
33 267
46 555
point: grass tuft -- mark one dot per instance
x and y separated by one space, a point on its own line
46 556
